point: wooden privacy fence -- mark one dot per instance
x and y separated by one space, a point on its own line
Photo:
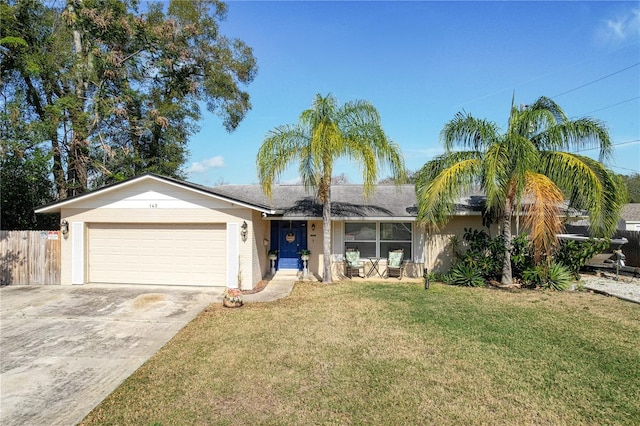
29 257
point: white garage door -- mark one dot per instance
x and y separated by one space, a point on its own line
173 254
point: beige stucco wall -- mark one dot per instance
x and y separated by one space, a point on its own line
438 257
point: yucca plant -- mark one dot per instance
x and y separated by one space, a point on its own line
553 277
559 277
466 276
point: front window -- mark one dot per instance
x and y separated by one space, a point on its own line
379 238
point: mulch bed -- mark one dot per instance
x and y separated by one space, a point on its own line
258 288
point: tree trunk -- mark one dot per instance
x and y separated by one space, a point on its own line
326 240
78 160
507 275
58 171
78 165
52 119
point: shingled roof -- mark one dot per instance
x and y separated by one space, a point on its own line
347 201
631 212
294 202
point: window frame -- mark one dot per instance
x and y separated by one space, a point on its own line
378 241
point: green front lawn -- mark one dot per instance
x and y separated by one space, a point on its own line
391 353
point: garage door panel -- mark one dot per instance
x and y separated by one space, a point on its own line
157 254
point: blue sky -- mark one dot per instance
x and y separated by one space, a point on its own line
420 63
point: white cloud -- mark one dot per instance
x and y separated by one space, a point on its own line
292 181
216 162
621 28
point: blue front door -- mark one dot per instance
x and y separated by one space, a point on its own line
289 248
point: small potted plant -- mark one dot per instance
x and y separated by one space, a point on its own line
304 254
232 298
273 254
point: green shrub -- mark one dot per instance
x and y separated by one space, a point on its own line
521 257
436 277
534 276
485 254
575 254
446 278
465 275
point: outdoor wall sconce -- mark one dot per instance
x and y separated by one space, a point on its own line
64 227
313 226
243 232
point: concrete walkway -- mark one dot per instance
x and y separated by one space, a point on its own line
275 289
63 349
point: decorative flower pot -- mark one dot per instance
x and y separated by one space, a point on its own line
230 304
304 257
273 257
232 298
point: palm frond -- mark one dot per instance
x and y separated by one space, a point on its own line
589 186
309 172
467 132
395 160
322 109
531 122
523 157
355 114
437 196
605 213
495 175
366 143
581 134
541 208
279 149
544 103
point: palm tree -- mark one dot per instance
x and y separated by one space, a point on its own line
527 170
323 134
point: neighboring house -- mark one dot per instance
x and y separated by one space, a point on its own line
630 217
156 230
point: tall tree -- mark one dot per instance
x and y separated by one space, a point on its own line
633 187
24 172
119 91
526 170
324 133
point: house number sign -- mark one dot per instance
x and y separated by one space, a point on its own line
290 237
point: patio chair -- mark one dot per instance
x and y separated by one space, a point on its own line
395 264
352 263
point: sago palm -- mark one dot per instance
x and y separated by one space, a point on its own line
528 170
324 133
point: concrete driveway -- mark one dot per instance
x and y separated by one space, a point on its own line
63 349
